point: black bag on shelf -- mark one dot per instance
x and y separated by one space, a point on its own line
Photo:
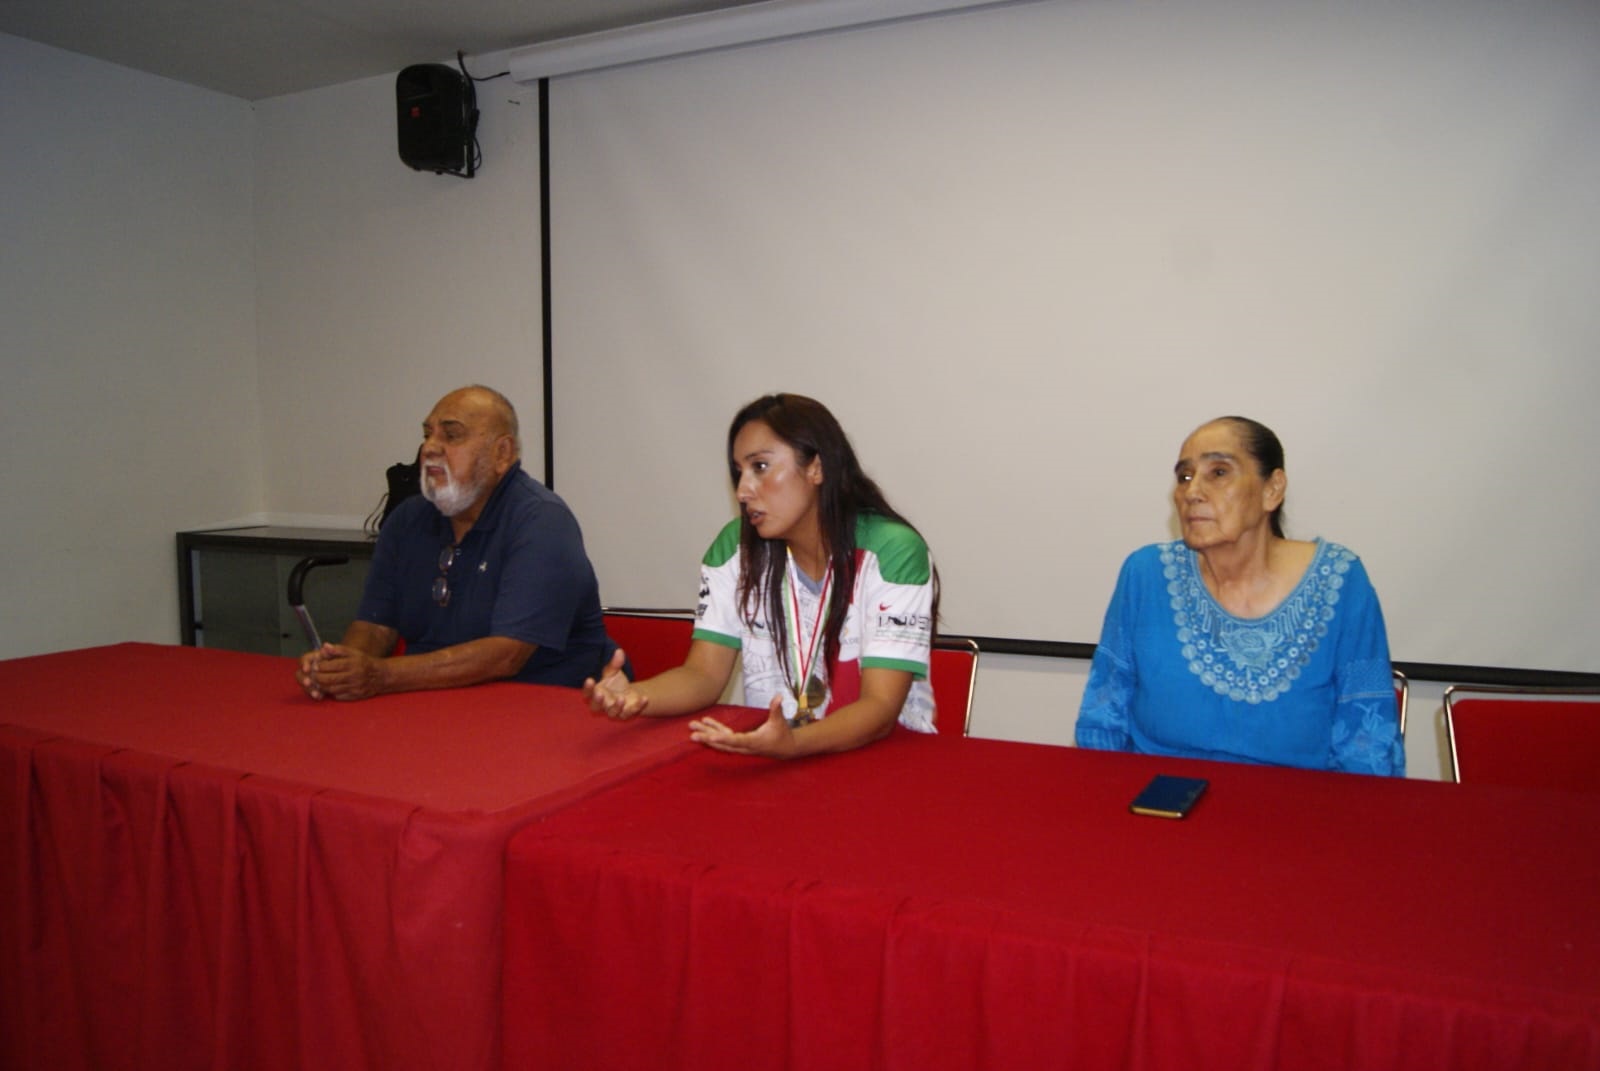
405 480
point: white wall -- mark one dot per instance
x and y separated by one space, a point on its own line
129 402
382 288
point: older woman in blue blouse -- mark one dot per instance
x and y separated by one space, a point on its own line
1236 643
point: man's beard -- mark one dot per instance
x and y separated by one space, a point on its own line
450 497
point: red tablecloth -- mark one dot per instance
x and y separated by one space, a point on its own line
202 868
933 903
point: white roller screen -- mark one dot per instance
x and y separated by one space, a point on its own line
1022 252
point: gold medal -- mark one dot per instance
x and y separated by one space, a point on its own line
808 699
815 693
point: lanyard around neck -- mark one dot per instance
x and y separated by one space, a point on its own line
805 652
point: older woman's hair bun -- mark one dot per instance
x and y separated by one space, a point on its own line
1261 443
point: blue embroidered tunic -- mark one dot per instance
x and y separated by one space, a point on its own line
1307 685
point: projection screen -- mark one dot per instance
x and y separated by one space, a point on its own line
1022 252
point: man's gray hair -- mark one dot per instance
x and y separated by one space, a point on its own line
508 413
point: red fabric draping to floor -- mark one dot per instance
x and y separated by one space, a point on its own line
202 868
932 903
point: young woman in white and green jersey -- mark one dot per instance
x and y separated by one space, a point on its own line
827 593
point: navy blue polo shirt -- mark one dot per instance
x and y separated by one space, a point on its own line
521 572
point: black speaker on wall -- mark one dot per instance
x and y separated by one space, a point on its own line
437 110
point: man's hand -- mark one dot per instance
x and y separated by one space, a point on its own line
307 673
334 671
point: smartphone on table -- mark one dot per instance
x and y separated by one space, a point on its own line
1168 796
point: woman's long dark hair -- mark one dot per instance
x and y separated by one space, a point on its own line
845 493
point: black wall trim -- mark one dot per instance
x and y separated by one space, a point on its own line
1417 671
1516 678
1032 648
544 285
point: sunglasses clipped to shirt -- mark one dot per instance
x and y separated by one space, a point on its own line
441 583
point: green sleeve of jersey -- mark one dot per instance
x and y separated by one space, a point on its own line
723 548
717 638
917 670
902 555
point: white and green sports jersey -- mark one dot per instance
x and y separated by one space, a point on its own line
889 624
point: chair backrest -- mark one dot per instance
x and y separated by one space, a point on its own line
654 640
953 672
1402 692
1531 737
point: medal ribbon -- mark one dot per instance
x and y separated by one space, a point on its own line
805 660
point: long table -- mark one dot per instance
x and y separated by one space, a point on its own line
935 903
202 868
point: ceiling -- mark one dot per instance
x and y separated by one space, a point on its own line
265 48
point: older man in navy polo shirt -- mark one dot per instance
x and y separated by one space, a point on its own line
484 575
